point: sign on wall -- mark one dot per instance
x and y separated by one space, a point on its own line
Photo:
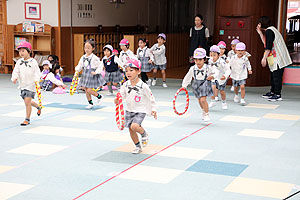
32 11
85 10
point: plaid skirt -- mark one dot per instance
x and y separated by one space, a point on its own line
114 77
202 88
132 117
91 81
146 67
237 83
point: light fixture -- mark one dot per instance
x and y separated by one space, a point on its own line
117 2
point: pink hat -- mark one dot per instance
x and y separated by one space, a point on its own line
199 53
108 46
133 63
214 48
25 44
235 41
162 35
240 46
222 45
124 42
115 51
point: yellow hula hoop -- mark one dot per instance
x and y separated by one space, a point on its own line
74 83
38 91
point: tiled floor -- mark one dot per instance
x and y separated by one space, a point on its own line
247 153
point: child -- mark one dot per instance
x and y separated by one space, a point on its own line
221 79
113 76
139 102
143 54
159 59
27 72
91 76
202 74
115 52
222 46
49 80
239 65
126 54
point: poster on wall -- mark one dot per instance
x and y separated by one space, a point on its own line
32 11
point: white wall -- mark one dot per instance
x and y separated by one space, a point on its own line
16 11
131 13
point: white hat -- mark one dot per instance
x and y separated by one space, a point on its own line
108 46
47 62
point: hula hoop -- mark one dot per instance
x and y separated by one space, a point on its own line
39 94
120 111
187 101
74 83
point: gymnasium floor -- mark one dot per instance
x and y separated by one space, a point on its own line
246 153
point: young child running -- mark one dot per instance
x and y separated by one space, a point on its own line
158 58
27 72
202 75
239 65
143 54
221 79
126 54
91 76
139 102
113 75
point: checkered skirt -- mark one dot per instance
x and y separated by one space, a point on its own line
90 81
202 88
146 67
114 77
132 117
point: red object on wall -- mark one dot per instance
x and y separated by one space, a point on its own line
241 24
227 23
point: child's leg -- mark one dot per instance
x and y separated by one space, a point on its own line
34 104
134 129
243 92
154 73
144 77
223 94
200 103
214 91
109 87
236 90
163 74
27 101
204 104
90 91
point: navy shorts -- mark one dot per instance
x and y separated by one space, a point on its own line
27 93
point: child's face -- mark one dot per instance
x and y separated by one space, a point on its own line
88 48
106 52
222 51
23 53
132 73
240 53
50 59
123 47
142 44
46 67
199 62
233 47
198 21
215 56
57 71
160 41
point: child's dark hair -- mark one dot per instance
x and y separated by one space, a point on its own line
199 15
55 67
144 40
264 21
108 50
91 41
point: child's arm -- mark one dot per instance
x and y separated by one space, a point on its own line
79 67
123 94
227 70
51 78
16 73
188 78
213 73
99 66
120 63
249 66
153 105
37 71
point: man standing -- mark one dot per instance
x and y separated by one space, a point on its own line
276 55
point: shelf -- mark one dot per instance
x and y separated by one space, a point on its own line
41 50
33 34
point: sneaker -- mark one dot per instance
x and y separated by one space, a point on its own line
203 114
212 104
224 106
216 98
149 82
137 150
164 85
236 99
145 139
90 106
110 94
154 82
267 95
232 89
243 102
206 118
25 123
99 102
39 112
275 97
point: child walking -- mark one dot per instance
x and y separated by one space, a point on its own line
239 65
219 83
48 79
91 76
126 54
143 54
27 72
158 58
202 74
113 75
139 102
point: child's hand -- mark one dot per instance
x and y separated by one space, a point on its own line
64 86
14 81
93 73
223 77
150 62
264 62
116 101
154 114
210 78
250 71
